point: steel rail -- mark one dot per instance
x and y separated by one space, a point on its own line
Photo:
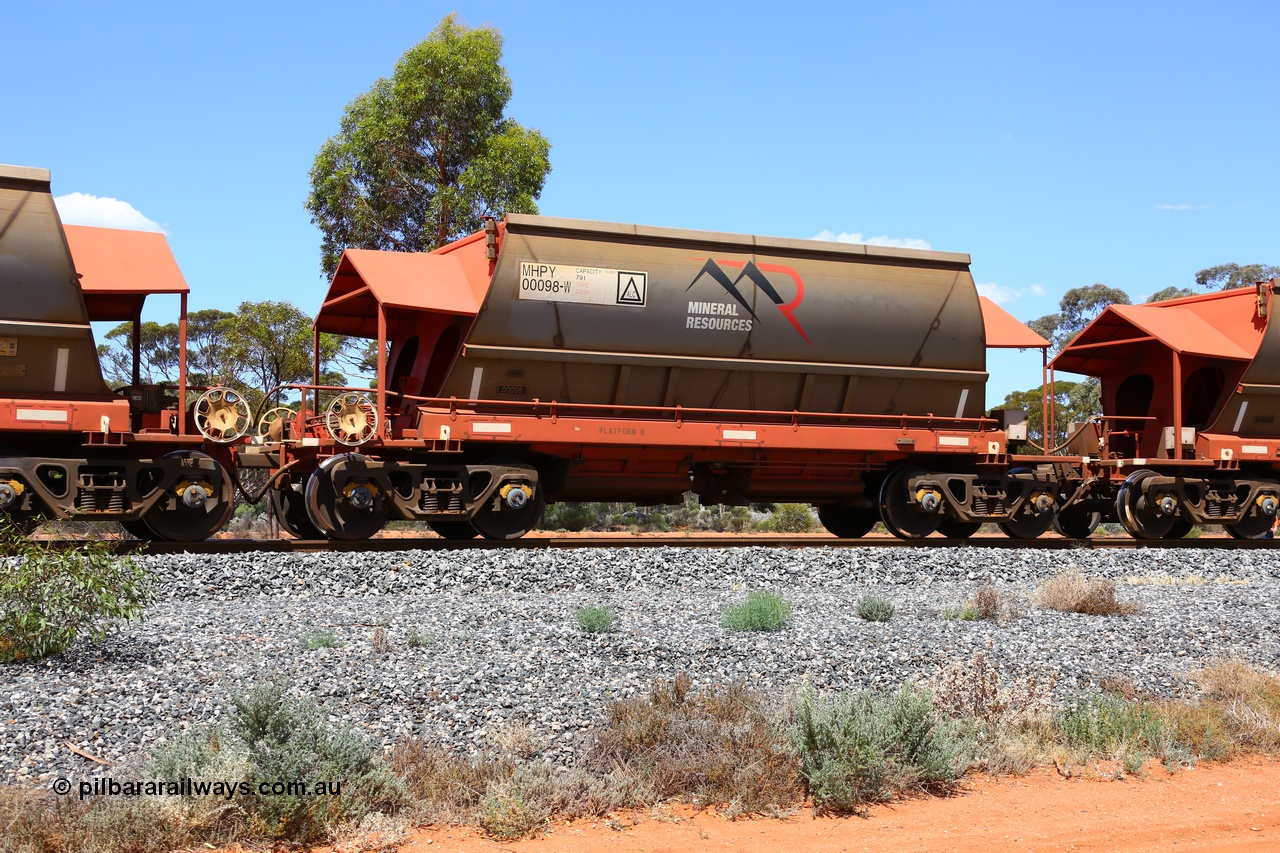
564 543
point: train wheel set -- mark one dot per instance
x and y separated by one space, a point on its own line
545 360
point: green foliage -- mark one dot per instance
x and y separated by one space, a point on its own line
1171 292
50 598
1077 309
860 748
320 639
873 608
261 345
272 737
417 639
687 515
963 612
1227 276
509 812
1074 402
158 351
573 517
426 153
597 619
1110 727
791 518
762 611
271 343
720 747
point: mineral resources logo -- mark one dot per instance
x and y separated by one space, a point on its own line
724 315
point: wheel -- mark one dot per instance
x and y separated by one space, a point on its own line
1076 522
953 529
358 514
289 505
507 516
1180 528
203 503
1140 519
454 529
221 415
1027 524
1250 527
352 419
274 423
138 529
847 522
904 519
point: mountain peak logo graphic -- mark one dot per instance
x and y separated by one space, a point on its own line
755 273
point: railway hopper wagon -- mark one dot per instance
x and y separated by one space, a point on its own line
1190 431
69 445
546 359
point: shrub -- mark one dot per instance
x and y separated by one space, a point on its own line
50 598
597 619
762 611
271 737
866 747
447 787
320 639
1249 701
512 811
1113 728
963 612
974 690
987 603
379 640
875 609
791 518
416 639
717 748
573 517
1072 592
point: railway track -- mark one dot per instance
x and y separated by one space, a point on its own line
237 546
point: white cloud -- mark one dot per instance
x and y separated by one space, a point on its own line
1002 295
85 209
997 294
856 237
1182 207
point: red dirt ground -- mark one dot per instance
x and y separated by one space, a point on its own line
1232 807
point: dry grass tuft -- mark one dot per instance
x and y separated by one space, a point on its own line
1250 701
1072 592
721 747
448 788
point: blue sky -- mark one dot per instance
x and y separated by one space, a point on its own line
1058 144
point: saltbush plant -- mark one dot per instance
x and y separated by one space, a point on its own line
861 748
321 638
873 608
597 619
49 598
272 737
762 611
